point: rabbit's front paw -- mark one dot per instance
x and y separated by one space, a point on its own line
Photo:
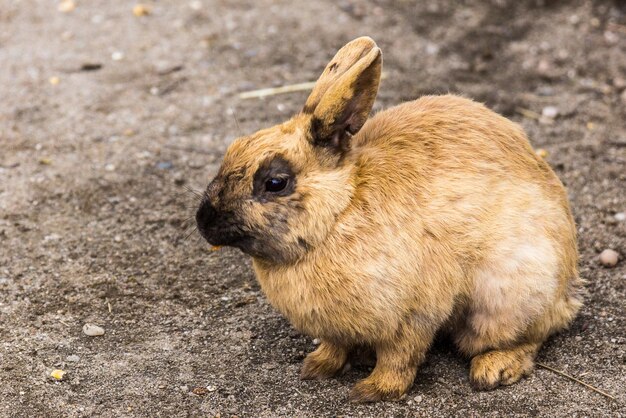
323 363
374 390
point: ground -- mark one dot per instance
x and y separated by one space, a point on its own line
107 118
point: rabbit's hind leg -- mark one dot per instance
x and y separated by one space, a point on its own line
502 367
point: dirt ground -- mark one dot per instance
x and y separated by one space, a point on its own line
106 118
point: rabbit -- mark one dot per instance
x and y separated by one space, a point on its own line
435 215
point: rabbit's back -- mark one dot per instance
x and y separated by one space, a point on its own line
486 214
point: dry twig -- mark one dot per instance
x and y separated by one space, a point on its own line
595 389
277 90
289 88
527 113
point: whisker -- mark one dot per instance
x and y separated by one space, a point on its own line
193 230
236 122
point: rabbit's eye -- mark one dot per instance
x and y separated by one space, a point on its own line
275 184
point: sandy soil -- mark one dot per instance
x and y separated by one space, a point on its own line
94 166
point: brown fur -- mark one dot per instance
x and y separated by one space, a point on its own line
434 214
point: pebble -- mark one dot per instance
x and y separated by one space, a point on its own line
620 216
93 330
608 258
611 38
550 112
73 358
66 6
117 56
418 399
316 341
165 165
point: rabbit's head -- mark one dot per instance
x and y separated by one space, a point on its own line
280 191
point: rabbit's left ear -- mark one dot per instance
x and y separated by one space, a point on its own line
346 104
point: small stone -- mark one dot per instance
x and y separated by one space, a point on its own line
578 338
57 374
52 237
109 167
432 49
211 388
620 216
544 67
541 153
611 38
54 80
73 358
117 56
164 165
550 112
608 258
117 238
67 6
574 19
418 399
316 341
93 330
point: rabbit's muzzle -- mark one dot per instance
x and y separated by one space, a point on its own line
218 228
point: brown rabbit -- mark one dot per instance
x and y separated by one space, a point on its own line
432 215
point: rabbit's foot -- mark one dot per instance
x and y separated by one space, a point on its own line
325 362
502 367
378 388
396 366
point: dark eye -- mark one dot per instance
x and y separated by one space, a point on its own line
275 184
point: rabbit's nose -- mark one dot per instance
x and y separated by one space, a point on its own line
205 215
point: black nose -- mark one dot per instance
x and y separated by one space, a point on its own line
205 215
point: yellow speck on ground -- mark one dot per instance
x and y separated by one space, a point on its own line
141 10
58 374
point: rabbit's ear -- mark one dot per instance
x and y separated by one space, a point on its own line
344 95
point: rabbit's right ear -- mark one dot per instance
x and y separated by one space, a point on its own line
344 94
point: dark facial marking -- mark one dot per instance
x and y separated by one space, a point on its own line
303 243
269 174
